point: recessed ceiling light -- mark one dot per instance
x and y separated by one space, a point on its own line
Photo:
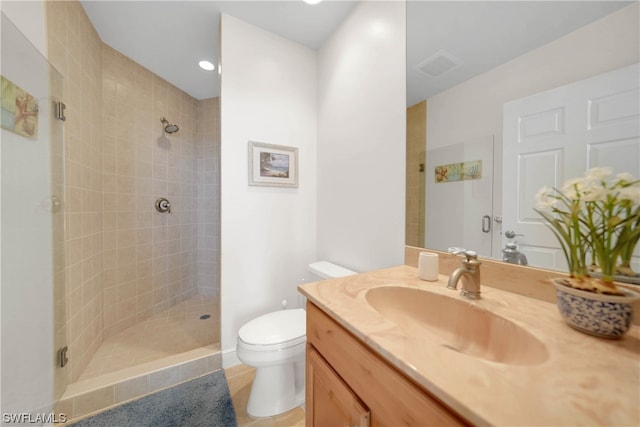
312 1
206 65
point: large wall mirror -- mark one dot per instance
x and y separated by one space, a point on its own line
475 71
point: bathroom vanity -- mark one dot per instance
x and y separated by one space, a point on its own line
347 383
385 348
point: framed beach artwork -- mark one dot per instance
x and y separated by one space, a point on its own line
462 171
19 112
273 165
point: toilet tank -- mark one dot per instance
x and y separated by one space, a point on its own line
322 270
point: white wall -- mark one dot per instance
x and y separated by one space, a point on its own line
268 235
361 139
29 17
473 109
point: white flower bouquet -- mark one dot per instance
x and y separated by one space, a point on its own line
596 219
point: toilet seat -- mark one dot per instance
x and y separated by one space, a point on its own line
271 347
273 331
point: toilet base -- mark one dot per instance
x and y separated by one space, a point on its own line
276 389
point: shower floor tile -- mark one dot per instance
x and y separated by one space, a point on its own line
173 331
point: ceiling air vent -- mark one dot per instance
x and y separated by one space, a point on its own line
438 64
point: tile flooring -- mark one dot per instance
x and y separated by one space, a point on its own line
173 331
239 378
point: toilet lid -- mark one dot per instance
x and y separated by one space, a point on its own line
277 327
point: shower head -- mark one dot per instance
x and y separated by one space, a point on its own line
169 127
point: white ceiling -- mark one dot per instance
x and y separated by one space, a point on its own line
485 34
170 37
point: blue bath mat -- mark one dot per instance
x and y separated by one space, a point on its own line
204 401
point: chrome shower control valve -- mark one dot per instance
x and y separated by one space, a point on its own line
163 205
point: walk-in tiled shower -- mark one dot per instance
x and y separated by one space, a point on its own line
138 280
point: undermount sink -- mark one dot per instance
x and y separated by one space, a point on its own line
457 324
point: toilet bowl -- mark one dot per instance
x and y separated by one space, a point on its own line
274 344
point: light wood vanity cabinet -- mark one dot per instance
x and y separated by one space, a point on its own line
330 402
348 384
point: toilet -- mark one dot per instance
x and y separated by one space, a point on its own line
274 344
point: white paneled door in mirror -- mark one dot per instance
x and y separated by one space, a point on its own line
554 136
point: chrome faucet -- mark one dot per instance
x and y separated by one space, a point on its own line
469 274
510 253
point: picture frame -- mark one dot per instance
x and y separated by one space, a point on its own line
18 110
272 165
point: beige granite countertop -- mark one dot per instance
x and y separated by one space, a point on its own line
584 380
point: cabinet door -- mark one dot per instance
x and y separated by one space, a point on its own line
329 401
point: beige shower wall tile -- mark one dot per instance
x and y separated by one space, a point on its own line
194 369
132 388
70 39
64 406
144 303
144 268
118 163
164 378
93 401
109 293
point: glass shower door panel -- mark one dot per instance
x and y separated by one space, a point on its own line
32 228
